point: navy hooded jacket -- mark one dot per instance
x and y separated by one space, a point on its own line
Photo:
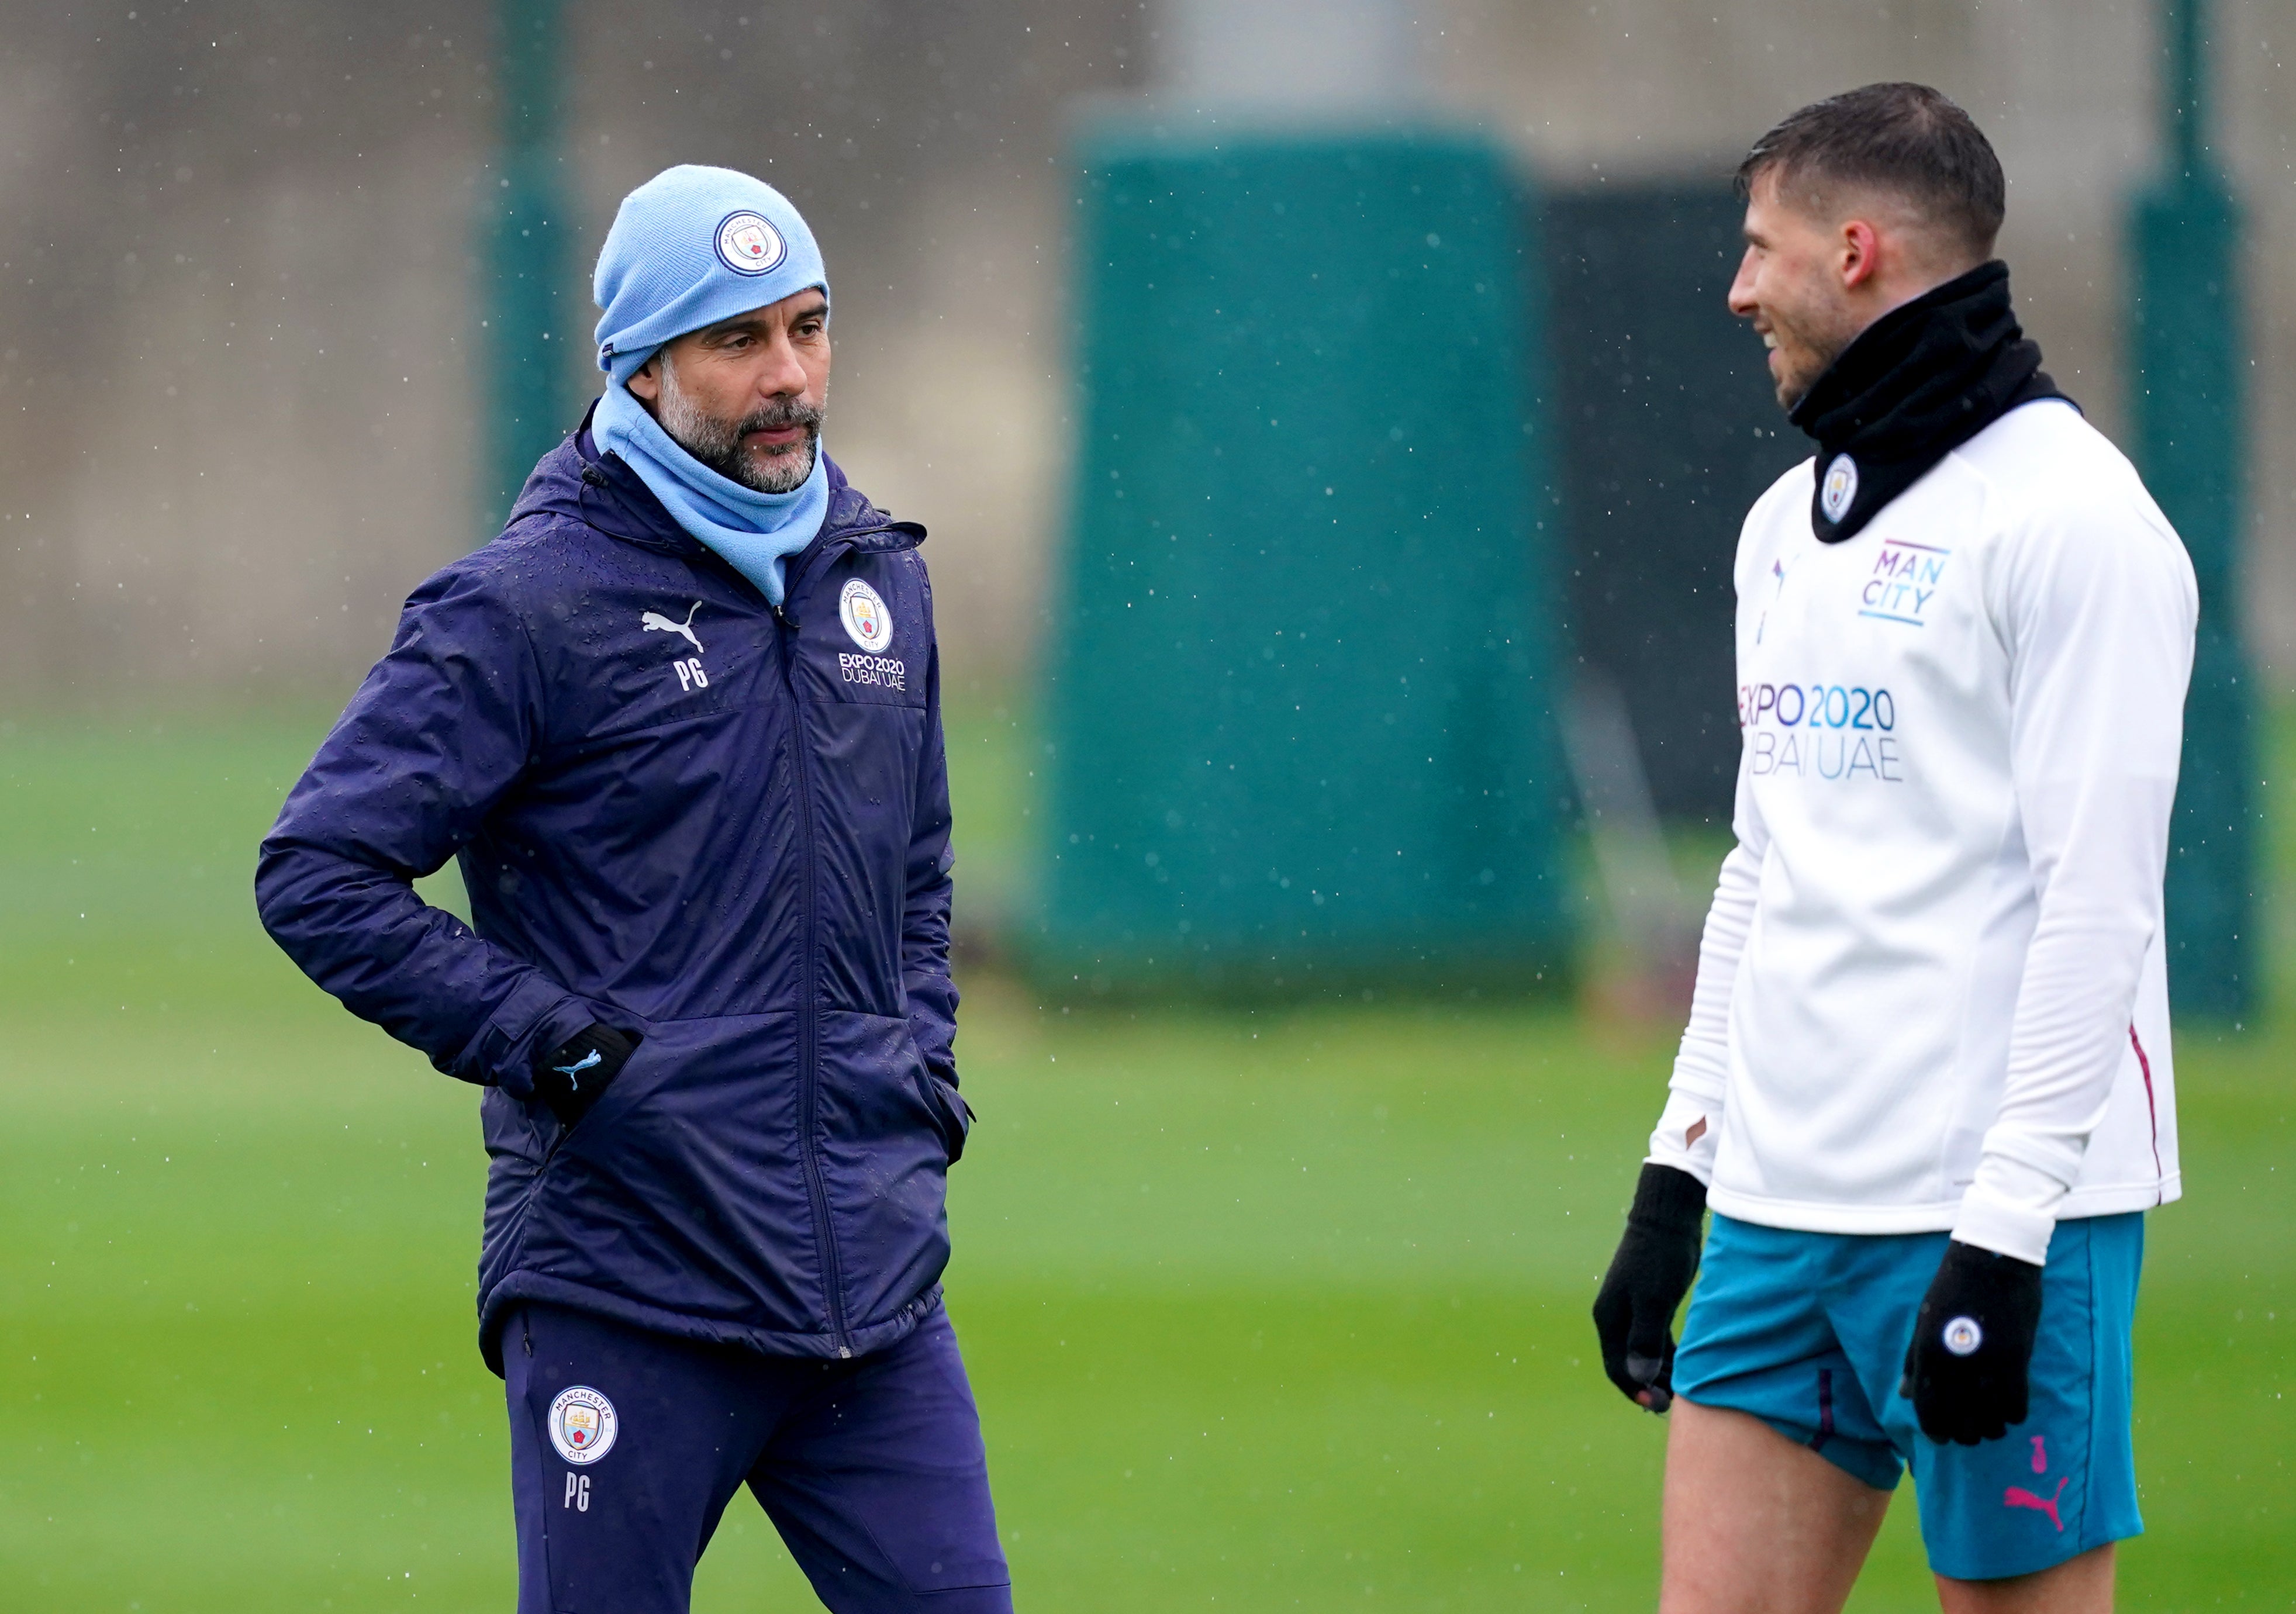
684 814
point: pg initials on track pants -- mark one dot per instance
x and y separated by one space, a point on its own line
626 1444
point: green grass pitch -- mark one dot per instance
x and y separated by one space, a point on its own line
1273 1311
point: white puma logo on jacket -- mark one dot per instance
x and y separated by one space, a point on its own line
655 622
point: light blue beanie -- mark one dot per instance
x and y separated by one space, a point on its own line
693 246
690 246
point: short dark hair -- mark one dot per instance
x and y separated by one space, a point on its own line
1904 138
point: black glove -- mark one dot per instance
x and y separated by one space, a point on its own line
1634 1313
1972 1344
572 1077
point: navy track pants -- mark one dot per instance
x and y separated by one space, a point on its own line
626 1444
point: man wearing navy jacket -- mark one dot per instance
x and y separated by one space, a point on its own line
681 725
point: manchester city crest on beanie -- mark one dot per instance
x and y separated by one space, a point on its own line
690 246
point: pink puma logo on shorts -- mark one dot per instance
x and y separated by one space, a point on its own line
2018 1497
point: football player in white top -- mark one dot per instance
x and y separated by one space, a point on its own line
1925 1088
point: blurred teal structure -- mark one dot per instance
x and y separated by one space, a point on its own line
2191 443
1303 659
528 259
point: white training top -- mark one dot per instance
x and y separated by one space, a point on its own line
1932 991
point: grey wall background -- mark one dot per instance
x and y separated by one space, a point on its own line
237 270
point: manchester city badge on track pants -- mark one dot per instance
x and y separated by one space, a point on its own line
626 1444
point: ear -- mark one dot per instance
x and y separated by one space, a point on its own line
1860 254
645 381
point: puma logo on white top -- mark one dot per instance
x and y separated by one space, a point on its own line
655 622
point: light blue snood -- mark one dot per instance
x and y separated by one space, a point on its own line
689 248
755 532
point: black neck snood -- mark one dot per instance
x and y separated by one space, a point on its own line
1916 385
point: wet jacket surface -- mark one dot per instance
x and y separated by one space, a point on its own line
683 813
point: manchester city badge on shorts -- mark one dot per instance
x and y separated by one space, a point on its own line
1840 488
866 621
583 1424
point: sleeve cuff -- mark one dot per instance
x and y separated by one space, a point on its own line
1687 1131
538 1016
2011 1209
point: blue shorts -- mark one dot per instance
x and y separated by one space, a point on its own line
626 1444
1808 1331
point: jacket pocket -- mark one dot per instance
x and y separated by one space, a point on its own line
884 1155
683 1188
951 1113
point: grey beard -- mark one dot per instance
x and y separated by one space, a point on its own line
718 444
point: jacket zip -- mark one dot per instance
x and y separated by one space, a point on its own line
808 1038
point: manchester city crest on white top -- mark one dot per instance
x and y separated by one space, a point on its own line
866 621
1841 489
749 245
582 1424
